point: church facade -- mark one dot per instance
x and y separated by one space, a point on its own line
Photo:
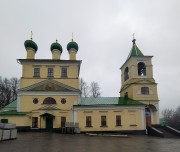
50 98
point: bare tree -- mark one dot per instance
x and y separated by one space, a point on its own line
172 117
176 118
8 90
84 88
14 86
168 114
95 89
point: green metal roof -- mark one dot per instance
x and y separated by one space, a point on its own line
31 44
99 100
131 102
11 106
10 109
73 45
12 112
57 46
135 51
108 101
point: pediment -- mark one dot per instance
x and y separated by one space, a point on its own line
50 85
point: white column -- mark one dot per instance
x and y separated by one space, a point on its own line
18 103
143 118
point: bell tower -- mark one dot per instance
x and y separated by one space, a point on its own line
137 80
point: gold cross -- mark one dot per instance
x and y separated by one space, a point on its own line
31 34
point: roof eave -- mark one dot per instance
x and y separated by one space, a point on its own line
147 56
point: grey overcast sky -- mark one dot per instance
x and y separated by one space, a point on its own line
103 30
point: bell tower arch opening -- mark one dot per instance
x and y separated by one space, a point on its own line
126 73
141 69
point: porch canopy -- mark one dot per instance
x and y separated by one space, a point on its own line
47 115
152 107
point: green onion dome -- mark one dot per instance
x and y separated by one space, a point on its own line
73 45
31 44
57 46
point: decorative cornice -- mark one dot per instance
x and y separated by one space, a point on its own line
65 88
109 107
48 61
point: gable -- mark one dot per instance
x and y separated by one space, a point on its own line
49 85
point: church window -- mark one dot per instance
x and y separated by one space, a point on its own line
35 100
126 73
63 100
34 122
118 120
50 72
141 69
49 100
4 120
64 72
103 121
144 90
63 121
88 121
36 72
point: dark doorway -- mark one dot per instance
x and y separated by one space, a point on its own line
49 124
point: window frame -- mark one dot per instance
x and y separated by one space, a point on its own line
88 121
50 72
35 100
63 100
4 120
36 72
103 121
118 120
145 90
34 122
64 72
49 101
63 121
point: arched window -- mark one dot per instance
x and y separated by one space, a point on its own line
144 90
49 100
126 73
141 69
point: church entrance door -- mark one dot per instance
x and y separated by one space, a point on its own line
49 121
148 117
49 124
